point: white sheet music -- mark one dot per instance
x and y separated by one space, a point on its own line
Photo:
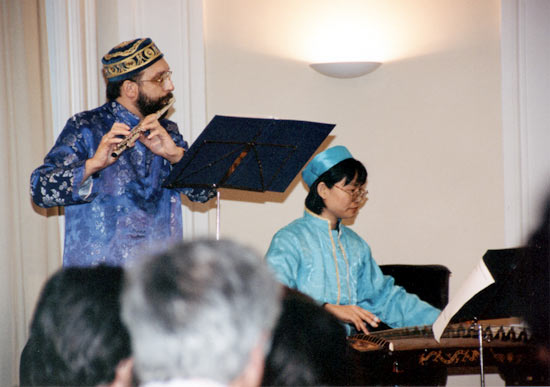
478 280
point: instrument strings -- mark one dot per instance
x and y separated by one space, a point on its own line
463 330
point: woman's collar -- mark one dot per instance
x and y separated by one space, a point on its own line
325 221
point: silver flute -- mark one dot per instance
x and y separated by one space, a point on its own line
137 130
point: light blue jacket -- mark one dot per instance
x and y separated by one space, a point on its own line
336 266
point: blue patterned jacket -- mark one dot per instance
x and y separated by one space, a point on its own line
123 210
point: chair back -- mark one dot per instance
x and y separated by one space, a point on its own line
429 282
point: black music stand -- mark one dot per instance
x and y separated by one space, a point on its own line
254 154
504 297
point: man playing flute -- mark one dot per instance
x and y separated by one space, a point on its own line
115 205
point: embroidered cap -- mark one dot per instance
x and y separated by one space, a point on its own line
129 58
323 162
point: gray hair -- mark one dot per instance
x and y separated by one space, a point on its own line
197 310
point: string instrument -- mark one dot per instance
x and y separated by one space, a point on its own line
506 344
137 130
496 332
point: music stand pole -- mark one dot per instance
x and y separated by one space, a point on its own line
218 215
480 336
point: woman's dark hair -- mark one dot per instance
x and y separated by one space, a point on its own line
348 169
76 336
309 346
113 88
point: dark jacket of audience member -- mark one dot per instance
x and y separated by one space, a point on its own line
76 335
308 347
536 272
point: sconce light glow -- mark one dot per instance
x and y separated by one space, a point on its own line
345 69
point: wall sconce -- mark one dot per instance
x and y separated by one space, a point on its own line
345 69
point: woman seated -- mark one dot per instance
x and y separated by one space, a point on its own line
323 258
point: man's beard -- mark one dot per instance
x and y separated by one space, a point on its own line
148 106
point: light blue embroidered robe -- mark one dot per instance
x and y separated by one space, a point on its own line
336 266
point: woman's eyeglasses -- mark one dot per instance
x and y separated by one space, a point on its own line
357 195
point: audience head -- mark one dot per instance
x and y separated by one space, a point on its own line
537 285
201 310
76 335
308 347
330 167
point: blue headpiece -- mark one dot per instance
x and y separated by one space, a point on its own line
323 162
129 58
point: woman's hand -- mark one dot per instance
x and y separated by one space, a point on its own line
355 315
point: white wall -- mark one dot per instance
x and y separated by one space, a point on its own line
427 124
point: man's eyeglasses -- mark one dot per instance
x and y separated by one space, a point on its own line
165 76
357 195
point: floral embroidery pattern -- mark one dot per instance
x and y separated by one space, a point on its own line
120 211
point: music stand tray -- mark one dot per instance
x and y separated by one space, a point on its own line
254 154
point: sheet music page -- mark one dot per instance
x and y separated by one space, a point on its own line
478 280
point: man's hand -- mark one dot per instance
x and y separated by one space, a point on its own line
102 157
355 315
159 141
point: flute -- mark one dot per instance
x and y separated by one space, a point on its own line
136 131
